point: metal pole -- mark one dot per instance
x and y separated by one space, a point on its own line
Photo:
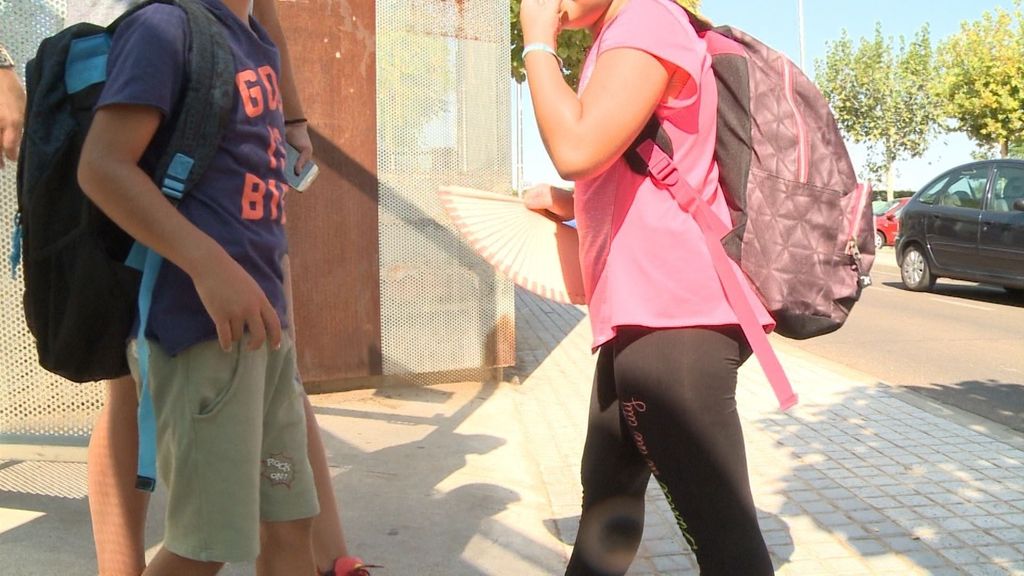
519 139
800 9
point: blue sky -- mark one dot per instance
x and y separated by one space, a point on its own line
776 23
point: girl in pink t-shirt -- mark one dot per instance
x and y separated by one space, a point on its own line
669 342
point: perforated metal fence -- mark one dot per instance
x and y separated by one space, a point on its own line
442 118
34 405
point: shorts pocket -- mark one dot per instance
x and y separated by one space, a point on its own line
213 376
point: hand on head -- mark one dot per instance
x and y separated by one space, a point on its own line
541 21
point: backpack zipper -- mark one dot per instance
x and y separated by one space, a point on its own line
802 167
851 246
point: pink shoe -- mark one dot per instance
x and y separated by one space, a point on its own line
350 566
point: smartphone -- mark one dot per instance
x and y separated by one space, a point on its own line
309 172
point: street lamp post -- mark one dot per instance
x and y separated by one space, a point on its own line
800 9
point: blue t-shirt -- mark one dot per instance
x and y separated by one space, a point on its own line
239 201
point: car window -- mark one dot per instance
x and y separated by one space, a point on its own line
931 193
879 207
965 189
1009 187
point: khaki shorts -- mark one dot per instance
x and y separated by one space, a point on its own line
231 446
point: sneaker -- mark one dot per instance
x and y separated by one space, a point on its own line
350 566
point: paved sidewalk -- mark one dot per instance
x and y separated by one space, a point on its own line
481 478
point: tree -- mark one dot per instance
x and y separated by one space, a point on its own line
414 76
881 95
981 79
572 45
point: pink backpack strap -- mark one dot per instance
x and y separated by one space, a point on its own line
720 44
664 174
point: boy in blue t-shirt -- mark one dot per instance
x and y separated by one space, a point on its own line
230 420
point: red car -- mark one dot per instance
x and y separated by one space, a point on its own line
887 223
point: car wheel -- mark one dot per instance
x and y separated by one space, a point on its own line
915 271
879 239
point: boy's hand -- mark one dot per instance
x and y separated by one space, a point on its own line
235 301
12 114
298 136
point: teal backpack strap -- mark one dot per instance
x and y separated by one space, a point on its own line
146 478
205 112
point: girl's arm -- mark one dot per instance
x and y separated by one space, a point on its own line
296 133
584 135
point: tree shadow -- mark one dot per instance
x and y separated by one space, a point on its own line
1000 402
900 487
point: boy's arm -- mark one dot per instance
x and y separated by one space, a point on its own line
110 175
296 133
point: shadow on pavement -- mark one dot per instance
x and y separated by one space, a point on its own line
1001 402
903 488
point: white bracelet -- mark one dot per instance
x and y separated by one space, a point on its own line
541 47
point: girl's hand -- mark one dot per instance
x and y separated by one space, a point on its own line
541 21
545 197
538 198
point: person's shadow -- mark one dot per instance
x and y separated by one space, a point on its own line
399 503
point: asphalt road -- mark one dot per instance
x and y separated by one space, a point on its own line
961 344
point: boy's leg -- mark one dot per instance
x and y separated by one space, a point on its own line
286 548
118 510
287 491
167 563
208 450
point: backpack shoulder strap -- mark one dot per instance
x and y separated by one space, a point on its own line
665 175
206 105
205 108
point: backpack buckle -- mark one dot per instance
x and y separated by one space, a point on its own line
659 164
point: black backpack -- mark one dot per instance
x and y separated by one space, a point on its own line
80 291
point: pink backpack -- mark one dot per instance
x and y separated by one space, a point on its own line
801 227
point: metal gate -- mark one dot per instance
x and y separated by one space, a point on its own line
35 406
442 118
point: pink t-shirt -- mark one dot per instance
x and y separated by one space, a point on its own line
643 258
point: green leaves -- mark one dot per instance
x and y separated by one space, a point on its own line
880 93
572 45
981 79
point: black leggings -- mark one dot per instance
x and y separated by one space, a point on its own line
664 401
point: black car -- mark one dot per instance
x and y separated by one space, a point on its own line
967 224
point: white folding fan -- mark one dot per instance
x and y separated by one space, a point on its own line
529 248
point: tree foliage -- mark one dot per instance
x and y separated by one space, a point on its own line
981 79
880 92
415 75
572 45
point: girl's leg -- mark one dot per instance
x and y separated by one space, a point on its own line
328 535
677 390
118 510
614 482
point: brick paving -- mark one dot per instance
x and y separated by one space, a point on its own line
858 479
